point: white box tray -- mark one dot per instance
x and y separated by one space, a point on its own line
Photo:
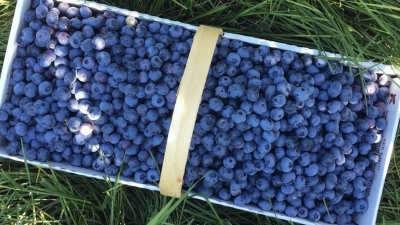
385 147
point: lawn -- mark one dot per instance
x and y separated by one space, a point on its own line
364 30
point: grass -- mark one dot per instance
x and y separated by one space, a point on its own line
364 30
6 13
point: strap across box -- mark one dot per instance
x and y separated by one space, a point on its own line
186 108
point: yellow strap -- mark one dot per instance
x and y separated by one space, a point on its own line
186 108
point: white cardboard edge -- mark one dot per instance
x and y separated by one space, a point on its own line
11 52
68 168
385 147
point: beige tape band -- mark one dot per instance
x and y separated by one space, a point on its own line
186 108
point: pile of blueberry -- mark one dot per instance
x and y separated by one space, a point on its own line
291 133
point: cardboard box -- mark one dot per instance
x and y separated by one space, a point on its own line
385 147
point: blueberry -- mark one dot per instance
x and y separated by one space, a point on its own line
153 175
297 64
279 206
311 169
256 56
21 129
4 116
244 52
282 87
85 12
235 91
279 100
300 93
381 123
277 114
41 12
245 65
384 81
286 164
383 93
235 44
334 67
270 60
360 205
225 174
233 59
262 184
289 56
252 93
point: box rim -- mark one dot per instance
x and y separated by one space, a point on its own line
14 34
